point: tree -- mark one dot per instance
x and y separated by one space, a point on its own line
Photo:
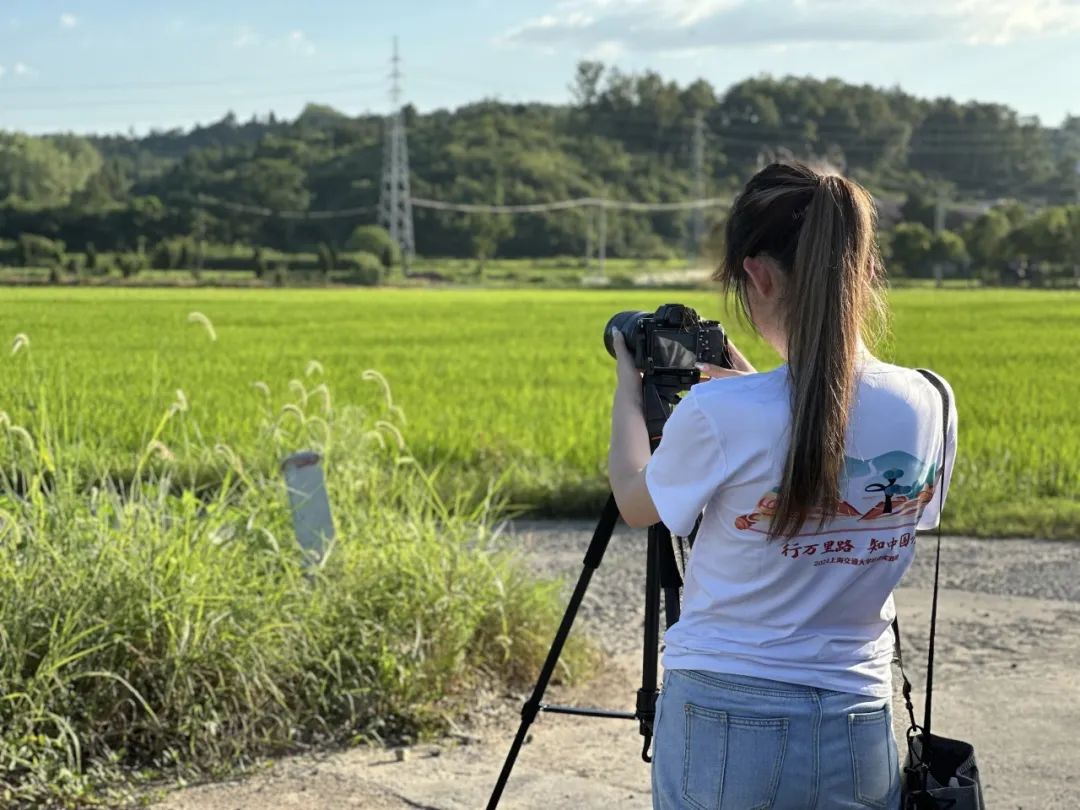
1047 236
890 488
984 236
488 230
585 88
326 262
948 247
911 247
45 172
920 207
258 262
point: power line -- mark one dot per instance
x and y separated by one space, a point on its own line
160 85
601 203
114 103
262 211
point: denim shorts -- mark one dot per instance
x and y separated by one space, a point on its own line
729 742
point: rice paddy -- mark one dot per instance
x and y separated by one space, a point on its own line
513 384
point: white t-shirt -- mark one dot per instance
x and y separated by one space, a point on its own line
815 610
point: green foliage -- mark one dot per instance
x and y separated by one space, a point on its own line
984 236
38 250
154 628
910 246
626 136
1051 235
168 254
949 247
375 239
258 262
75 265
362 268
45 172
131 264
326 261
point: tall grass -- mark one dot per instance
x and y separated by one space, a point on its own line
148 628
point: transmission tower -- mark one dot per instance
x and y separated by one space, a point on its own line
395 197
697 217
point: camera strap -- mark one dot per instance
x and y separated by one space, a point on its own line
945 405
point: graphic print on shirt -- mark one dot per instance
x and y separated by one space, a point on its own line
886 492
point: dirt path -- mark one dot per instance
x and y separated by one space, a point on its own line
1007 682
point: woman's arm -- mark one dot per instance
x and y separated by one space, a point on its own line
629 453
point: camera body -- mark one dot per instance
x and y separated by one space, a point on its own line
673 338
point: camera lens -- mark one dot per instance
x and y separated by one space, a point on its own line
629 323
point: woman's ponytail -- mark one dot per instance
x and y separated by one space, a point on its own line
820 229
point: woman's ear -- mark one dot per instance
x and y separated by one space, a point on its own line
760 275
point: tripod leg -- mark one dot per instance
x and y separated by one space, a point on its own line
661 575
646 696
671 579
597 547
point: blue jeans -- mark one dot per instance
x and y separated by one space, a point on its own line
729 742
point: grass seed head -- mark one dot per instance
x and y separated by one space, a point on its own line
198 317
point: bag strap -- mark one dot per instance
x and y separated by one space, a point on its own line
945 405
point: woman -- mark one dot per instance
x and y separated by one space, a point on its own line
813 479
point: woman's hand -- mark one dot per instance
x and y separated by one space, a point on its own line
626 371
740 366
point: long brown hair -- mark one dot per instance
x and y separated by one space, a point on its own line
820 229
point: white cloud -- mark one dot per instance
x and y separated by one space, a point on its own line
299 42
245 37
22 69
606 51
68 20
3 70
674 26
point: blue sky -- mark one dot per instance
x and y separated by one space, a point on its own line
106 65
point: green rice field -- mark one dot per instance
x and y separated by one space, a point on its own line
511 384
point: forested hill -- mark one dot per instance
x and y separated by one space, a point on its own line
624 136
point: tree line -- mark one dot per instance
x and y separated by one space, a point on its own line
1011 184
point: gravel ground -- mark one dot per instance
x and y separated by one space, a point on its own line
1009 650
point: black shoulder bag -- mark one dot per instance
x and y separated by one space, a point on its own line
939 773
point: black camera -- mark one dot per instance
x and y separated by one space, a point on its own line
672 338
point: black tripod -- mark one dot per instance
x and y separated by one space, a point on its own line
663 572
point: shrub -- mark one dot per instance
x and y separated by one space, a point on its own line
170 254
131 264
75 265
91 257
362 268
375 239
10 253
620 281
162 258
38 250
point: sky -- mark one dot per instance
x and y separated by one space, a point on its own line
112 66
